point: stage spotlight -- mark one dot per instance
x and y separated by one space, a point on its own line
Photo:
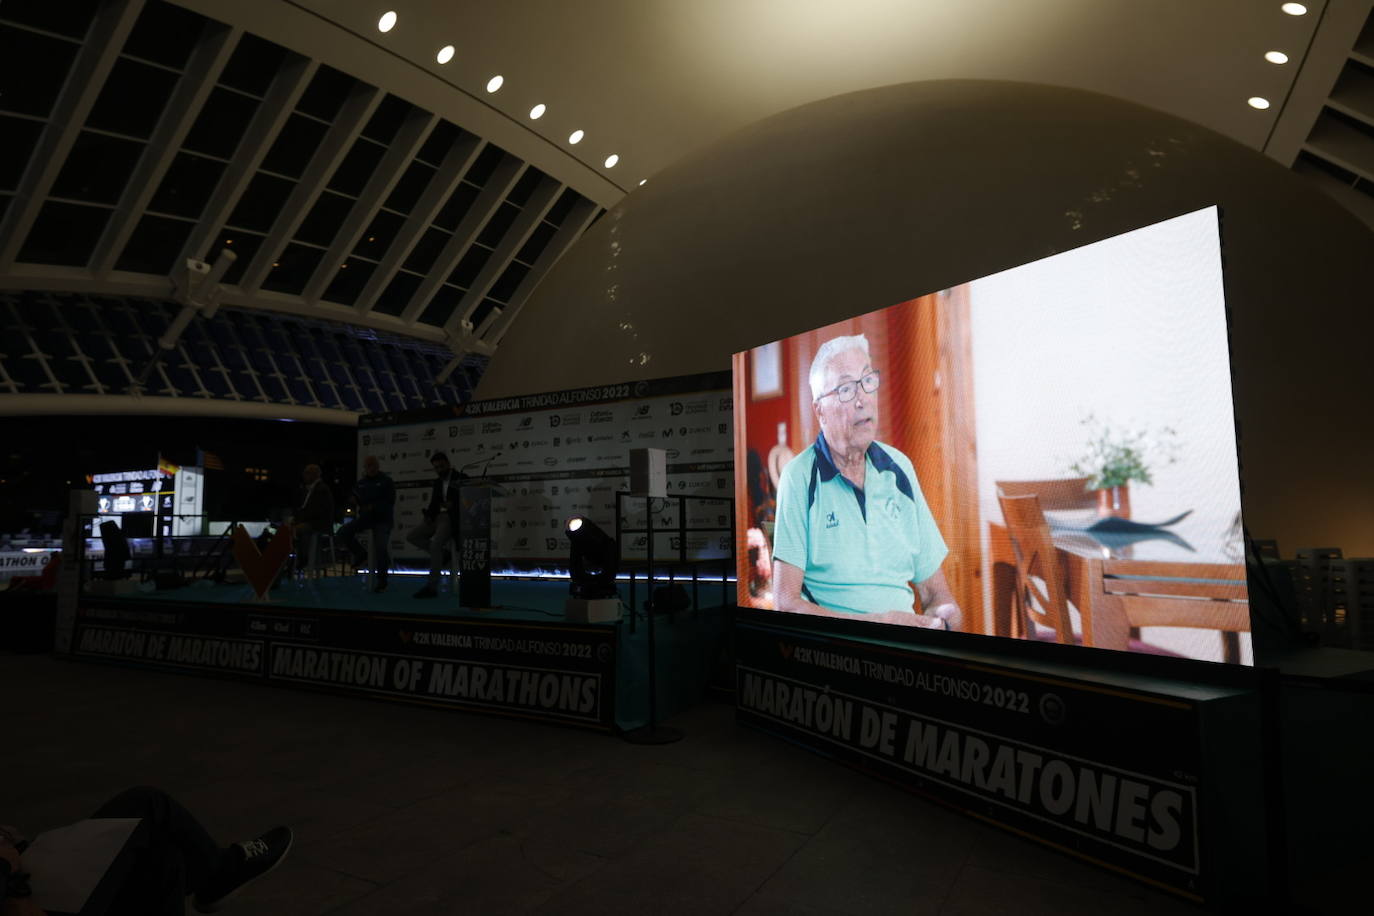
593 560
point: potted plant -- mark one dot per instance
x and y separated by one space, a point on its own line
1115 457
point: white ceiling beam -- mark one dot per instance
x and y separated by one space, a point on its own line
90 69
569 231
541 199
441 187
211 53
286 89
362 102
503 178
409 139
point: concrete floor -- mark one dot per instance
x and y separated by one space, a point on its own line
406 810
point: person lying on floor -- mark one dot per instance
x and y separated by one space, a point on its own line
178 858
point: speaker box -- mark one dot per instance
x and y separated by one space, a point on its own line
648 472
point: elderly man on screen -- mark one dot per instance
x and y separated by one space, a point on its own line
853 531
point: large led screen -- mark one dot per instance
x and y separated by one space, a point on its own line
1047 453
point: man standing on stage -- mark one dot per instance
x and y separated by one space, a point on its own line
375 496
315 514
436 531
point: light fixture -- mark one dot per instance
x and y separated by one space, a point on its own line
495 82
611 160
537 111
1294 9
387 22
593 560
643 181
576 136
445 54
1257 102
1276 57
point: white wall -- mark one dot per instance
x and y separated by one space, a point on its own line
1131 329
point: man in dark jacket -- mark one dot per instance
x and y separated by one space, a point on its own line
314 515
441 521
375 496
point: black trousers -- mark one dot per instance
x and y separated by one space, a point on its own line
179 858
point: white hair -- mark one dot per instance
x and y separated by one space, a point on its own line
828 351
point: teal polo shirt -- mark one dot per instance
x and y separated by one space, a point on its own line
858 548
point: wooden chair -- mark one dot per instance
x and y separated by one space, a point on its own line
1040 597
1055 495
1207 596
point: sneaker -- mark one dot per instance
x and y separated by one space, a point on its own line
258 857
428 591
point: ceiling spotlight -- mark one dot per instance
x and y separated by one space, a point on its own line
1276 57
576 136
1294 9
643 181
445 54
495 82
611 160
537 112
1257 102
387 22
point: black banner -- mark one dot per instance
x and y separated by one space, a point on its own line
1101 771
559 672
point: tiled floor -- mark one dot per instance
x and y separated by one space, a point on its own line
404 810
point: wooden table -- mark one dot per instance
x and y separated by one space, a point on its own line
1196 578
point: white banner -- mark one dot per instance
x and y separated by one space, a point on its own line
561 461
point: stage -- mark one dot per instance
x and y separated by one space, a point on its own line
520 657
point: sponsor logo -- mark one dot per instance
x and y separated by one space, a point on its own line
699 429
601 416
720 483
649 435
453 432
642 412
367 440
726 404
702 451
526 422
572 419
521 543
526 444
491 426
668 433
576 459
555 420
699 406
553 523
557 441
510 523
682 430
641 388
722 428
467 429
552 462
831 521
400 437
550 543
675 408
429 434
674 453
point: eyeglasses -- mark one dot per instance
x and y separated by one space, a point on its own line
849 390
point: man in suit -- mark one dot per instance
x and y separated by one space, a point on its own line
375 495
441 521
314 515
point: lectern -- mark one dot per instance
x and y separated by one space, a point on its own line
473 544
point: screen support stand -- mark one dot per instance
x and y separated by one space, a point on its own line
652 733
